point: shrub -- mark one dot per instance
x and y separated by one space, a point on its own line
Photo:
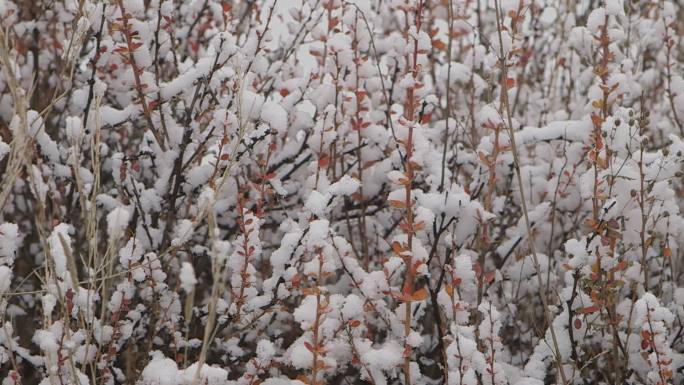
329 191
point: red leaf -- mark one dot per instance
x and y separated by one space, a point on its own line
333 22
588 309
324 161
620 266
489 277
478 269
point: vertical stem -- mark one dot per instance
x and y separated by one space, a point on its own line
516 163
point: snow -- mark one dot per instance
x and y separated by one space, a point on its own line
265 350
353 307
558 130
414 339
286 212
187 277
529 381
185 82
345 186
276 116
505 43
318 233
548 15
209 375
384 358
112 117
134 7
5 279
161 371
459 73
301 357
58 240
164 371
596 20
615 7
317 203
281 381
117 222
182 232
251 104
4 149
9 242
323 95
46 340
305 314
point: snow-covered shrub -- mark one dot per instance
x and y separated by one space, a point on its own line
328 191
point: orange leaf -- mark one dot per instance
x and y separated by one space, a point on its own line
591 223
449 289
419 295
439 45
510 83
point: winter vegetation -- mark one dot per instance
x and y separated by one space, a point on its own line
309 192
